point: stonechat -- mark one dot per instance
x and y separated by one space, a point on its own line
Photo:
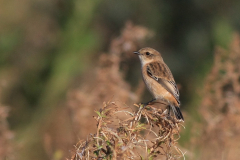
159 79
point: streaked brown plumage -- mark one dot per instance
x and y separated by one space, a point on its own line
159 79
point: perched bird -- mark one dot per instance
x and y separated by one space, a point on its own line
159 79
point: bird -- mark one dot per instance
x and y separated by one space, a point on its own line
159 79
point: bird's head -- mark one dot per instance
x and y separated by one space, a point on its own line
148 55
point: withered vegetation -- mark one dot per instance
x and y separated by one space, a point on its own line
148 133
220 106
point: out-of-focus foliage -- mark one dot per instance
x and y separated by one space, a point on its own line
6 136
45 46
220 105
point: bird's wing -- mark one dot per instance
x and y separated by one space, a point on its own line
162 74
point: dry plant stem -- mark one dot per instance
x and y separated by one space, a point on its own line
98 128
121 133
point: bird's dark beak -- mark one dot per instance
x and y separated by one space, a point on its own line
136 52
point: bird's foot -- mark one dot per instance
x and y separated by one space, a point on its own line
147 103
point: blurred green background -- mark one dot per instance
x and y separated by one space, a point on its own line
45 45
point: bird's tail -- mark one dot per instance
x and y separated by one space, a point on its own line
177 112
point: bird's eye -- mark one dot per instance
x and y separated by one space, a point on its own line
147 53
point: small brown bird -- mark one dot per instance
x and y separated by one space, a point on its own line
159 79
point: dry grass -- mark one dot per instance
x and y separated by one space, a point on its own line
220 107
148 133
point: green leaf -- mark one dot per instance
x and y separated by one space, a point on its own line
108 143
99 114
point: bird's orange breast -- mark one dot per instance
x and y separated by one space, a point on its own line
157 90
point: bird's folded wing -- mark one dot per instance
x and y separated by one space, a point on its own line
162 74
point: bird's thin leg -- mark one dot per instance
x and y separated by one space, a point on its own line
151 100
169 107
145 104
